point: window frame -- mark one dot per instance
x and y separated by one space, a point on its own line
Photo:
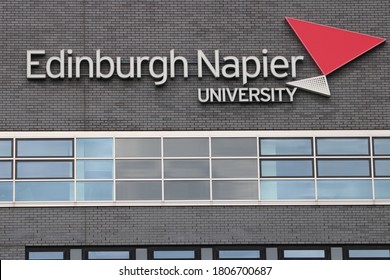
12 148
326 249
217 249
344 176
344 155
65 250
287 159
45 178
151 250
86 250
286 138
364 247
44 139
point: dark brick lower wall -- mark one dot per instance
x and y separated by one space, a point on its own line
202 225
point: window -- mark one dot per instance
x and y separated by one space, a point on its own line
44 148
39 169
382 189
286 168
304 253
49 255
344 189
108 254
186 147
287 189
286 147
234 168
381 146
238 253
382 167
138 169
6 191
173 254
94 147
343 168
187 190
186 168
235 190
138 190
368 253
94 190
6 169
94 169
138 147
233 147
342 146
44 191
5 148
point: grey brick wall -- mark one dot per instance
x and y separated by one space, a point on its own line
203 225
360 100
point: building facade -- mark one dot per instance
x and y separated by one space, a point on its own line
122 167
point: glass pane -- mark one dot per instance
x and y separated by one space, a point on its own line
94 191
286 168
5 169
382 167
46 255
239 254
231 190
139 190
303 254
285 147
234 168
187 190
234 147
138 147
94 147
44 169
108 255
94 169
381 146
342 146
344 168
344 189
138 169
190 254
382 189
6 191
44 148
5 148
371 253
287 189
186 147
44 191
186 168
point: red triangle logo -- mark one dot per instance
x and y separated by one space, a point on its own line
332 47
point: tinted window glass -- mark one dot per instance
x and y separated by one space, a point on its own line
44 169
94 147
287 189
344 189
343 168
234 168
46 255
6 191
5 148
368 254
233 147
190 168
239 254
381 146
382 189
94 190
286 168
186 147
187 190
135 190
44 191
138 147
285 147
108 255
343 146
94 169
304 254
382 167
44 148
5 169
231 190
190 254
138 169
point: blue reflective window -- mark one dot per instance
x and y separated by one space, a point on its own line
238 254
94 169
94 190
304 254
46 255
173 255
108 255
287 189
342 146
382 167
94 147
44 191
44 169
6 192
286 147
344 168
381 146
187 190
186 147
287 168
5 148
382 189
232 190
369 253
233 147
5 169
234 168
186 168
344 189
44 148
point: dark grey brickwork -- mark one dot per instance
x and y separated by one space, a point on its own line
360 100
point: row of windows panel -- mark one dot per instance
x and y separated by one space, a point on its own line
194 190
192 147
